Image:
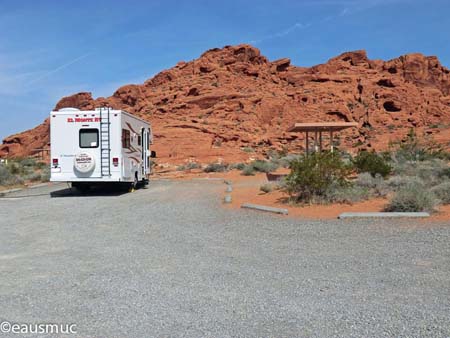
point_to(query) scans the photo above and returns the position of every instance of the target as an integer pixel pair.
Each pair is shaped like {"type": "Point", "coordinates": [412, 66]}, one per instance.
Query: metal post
{"type": "Point", "coordinates": [320, 140]}
{"type": "Point", "coordinates": [315, 140]}
{"type": "Point", "coordinates": [307, 143]}
{"type": "Point", "coordinates": [331, 141]}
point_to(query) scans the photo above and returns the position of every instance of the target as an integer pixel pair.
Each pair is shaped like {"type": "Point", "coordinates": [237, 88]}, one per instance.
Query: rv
{"type": "Point", "coordinates": [99, 146]}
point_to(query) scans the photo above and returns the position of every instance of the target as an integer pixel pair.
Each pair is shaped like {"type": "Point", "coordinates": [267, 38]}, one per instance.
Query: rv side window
{"type": "Point", "coordinates": [126, 138]}
{"type": "Point", "coordinates": [88, 138]}
{"type": "Point", "coordinates": [139, 140]}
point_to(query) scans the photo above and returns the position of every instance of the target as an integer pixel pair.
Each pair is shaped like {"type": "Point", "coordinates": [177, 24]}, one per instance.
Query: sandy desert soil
{"type": "Point", "coordinates": [246, 190]}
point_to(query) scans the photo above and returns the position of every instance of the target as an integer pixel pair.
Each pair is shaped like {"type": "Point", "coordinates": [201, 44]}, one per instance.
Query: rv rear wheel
{"type": "Point", "coordinates": [81, 187]}
{"type": "Point", "coordinates": [135, 183]}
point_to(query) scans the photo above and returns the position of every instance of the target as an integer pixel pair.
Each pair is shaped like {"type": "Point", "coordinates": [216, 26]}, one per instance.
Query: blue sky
{"type": "Point", "coordinates": [50, 49]}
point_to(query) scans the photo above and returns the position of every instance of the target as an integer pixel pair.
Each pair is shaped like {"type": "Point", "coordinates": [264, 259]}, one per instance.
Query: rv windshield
{"type": "Point", "coordinates": [88, 138]}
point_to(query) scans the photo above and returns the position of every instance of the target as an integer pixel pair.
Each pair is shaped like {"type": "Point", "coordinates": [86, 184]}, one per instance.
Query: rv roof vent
{"type": "Point", "coordinates": [69, 109]}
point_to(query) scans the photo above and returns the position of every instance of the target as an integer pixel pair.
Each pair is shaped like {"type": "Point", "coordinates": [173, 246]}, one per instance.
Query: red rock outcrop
{"type": "Point", "coordinates": [234, 97]}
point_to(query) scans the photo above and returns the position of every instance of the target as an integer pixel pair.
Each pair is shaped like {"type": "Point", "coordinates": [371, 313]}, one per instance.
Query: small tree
{"type": "Point", "coordinates": [372, 163]}
{"type": "Point", "coordinates": [312, 175]}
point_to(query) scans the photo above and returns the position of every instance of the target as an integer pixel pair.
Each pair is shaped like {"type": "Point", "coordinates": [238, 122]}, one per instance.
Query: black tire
{"type": "Point", "coordinates": [134, 184]}
{"type": "Point", "coordinates": [81, 187]}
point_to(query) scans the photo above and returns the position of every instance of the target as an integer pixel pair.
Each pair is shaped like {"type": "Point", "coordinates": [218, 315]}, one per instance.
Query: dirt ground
{"type": "Point", "coordinates": [246, 189]}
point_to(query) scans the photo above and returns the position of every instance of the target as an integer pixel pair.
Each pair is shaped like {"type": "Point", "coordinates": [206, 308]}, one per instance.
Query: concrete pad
{"type": "Point", "coordinates": [264, 208]}
{"type": "Point", "coordinates": [4, 192]}
{"type": "Point", "coordinates": [382, 214]}
{"type": "Point", "coordinates": [38, 185]}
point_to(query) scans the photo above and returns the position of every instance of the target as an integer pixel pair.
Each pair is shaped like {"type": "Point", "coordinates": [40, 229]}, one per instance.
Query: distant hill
{"type": "Point", "coordinates": [234, 97]}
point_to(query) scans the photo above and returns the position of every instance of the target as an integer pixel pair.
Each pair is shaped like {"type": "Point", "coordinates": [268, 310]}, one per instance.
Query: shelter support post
{"type": "Point", "coordinates": [320, 140]}
{"type": "Point", "coordinates": [331, 141]}
{"type": "Point", "coordinates": [307, 143]}
{"type": "Point", "coordinates": [315, 141]}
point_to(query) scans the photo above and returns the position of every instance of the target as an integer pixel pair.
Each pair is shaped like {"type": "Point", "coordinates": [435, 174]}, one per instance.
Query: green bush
{"type": "Point", "coordinates": [413, 198]}
{"type": "Point", "coordinates": [311, 176]}
{"type": "Point", "coordinates": [397, 182]}
{"type": "Point", "coordinates": [248, 170]}
{"type": "Point", "coordinates": [442, 191]}
{"type": "Point", "coordinates": [371, 162]}
{"type": "Point", "coordinates": [189, 166]}
{"type": "Point", "coordinates": [15, 168]}
{"type": "Point", "coordinates": [8, 178]}
{"type": "Point", "coordinates": [261, 166]}
{"type": "Point", "coordinates": [346, 194]}
{"type": "Point", "coordinates": [285, 161]}
{"type": "Point", "coordinates": [445, 173]}
{"type": "Point", "coordinates": [28, 162]}
{"type": "Point", "coordinates": [26, 169]}
{"type": "Point", "coordinates": [238, 166]}
{"type": "Point", "coordinates": [415, 148]}
{"type": "Point", "coordinates": [248, 150]}
{"type": "Point", "coordinates": [430, 171]}
{"type": "Point", "coordinates": [216, 168]}
{"type": "Point", "coordinates": [264, 166]}
{"type": "Point", "coordinates": [377, 186]}
{"type": "Point", "coordinates": [33, 177]}
{"type": "Point", "coordinates": [266, 188]}
{"type": "Point", "coordinates": [45, 174]}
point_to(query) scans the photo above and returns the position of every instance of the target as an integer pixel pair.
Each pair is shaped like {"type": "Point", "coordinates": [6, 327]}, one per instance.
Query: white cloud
{"type": "Point", "coordinates": [350, 8]}
{"type": "Point", "coordinates": [281, 33]}
{"type": "Point", "coordinates": [57, 69]}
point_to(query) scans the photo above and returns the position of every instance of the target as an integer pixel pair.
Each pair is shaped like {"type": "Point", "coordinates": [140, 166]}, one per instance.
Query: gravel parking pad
{"type": "Point", "coordinates": [170, 261]}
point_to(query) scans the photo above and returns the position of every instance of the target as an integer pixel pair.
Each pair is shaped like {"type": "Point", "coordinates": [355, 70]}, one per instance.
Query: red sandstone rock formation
{"type": "Point", "coordinates": [234, 97]}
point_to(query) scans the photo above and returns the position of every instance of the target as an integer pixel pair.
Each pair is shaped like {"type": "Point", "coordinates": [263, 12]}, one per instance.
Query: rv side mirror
{"type": "Point", "coordinates": [153, 154]}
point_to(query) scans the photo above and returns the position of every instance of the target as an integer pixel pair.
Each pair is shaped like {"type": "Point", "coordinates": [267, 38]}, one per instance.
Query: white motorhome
{"type": "Point", "coordinates": [99, 146]}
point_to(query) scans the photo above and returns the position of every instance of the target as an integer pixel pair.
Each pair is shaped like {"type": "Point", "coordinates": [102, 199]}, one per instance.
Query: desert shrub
{"type": "Point", "coordinates": [311, 176]}
{"type": "Point", "coordinates": [445, 173]}
{"type": "Point", "coordinates": [412, 197]}
{"type": "Point", "coordinates": [398, 181]}
{"type": "Point", "coordinates": [346, 194]}
{"type": "Point", "coordinates": [248, 170]}
{"type": "Point", "coordinates": [27, 162]}
{"type": "Point", "coordinates": [442, 192]}
{"type": "Point", "coordinates": [371, 162]}
{"type": "Point", "coordinates": [259, 166]}
{"type": "Point", "coordinates": [193, 165]}
{"type": "Point", "coordinates": [26, 169]}
{"type": "Point", "coordinates": [238, 166]}
{"type": "Point", "coordinates": [430, 171]}
{"type": "Point", "coordinates": [285, 161]}
{"type": "Point", "coordinates": [266, 187]}
{"type": "Point", "coordinates": [377, 186]}
{"type": "Point", "coordinates": [248, 150]}
{"type": "Point", "coordinates": [33, 177]}
{"type": "Point", "coordinates": [8, 178]}
{"type": "Point", "coordinates": [189, 166]}
{"type": "Point", "coordinates": [15, 168]}
{"type": "Point", "coordinates": [416, 148]}
{"type": "Point", "coordinates": [275, 154]}
{"type": "Point", "coordinates": [264, 166]}
{"type": "Point", "coordinates": [45, 174]}
{"type": "Point", "coordinates": [216, 168]}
